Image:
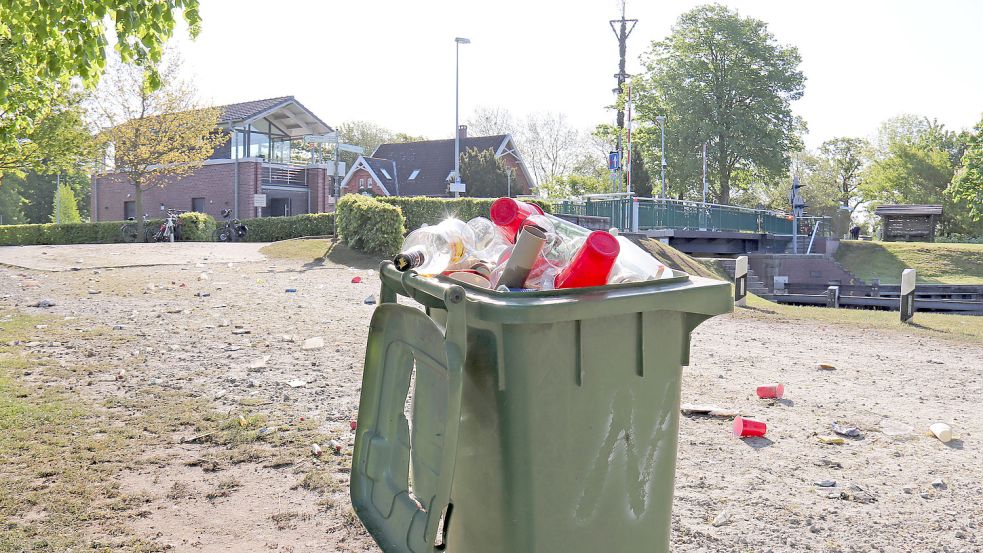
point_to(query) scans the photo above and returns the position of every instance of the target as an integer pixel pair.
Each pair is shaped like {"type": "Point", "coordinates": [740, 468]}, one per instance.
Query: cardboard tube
{"type": "Point", "coordinates": [528, 245]}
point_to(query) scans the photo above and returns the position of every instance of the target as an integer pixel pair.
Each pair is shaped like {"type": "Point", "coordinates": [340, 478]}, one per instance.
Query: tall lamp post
{"type": "Point", "coordinates": [458, 41]}
{"type": "Point", "coordinates": [662, 125]}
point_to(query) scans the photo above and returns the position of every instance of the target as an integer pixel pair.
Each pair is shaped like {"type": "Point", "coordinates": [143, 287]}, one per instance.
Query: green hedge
{"type": "Point", "coordinates": [70, 233]}
{"type": "Point", "coordinates": [369, 225]}
{"type": "Point", "coordinates": [196, 227]}
{"type": "Point", "coordinates": [271, 229]}
{"type": "Point", "coordinates": [420, 211]}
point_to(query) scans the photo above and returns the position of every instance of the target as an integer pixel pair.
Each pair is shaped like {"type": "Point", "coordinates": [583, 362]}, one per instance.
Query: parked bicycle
{"type": "Point", "coordinates": [168, 231]}
{"type": "Point", "coordinates": [231, 230]}
{"type": "Point", "coordinates": [130, 230]}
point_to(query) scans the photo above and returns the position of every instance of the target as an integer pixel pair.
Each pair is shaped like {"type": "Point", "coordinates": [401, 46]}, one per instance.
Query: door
{"type": "Point", "coordinates": [279, 207]}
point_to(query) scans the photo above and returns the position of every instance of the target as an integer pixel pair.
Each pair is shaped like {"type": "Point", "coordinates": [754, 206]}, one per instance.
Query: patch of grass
{"type": "Point", "coordinates": [677, 259]}
{"type": "Point", "coordinates": [936, 325]}
{"type": "Point", "coordinates": [316, 252]}
{"type": "Point", "coordinates": [225, 488]}
{"type": "Point", "coordinates": [934, 263]}
{"type": "Point", "coordinates": [320, 481]}
{"type": "Point", "coordinates": [288, 519]}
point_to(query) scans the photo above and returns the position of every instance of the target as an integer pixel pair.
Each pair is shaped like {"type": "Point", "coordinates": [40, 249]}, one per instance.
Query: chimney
{"type": "Point", "coordinates": [462, 131]}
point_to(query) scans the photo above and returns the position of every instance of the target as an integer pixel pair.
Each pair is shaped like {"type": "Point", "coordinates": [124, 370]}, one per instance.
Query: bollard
{"type": "Point", "coordinates": [907, 295]}
{"type": "Point", "coordinates": [875, 288]}
{"type": "Point", "coordinates": [740, 281]}
{"type": "Point", "coordinates": [833, 296]}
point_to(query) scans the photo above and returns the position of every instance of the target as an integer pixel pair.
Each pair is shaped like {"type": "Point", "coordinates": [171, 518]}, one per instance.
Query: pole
{"type": "Point", "coordinates": [662, 125]}
{"type": "Point", "coordinates": [334, 179]}
{"type": "Point", "coordinates": [58, 198]}
{"type": "Point", "coordinates": [628, 166]}
{"type": "Point", "coordinates": [457, 127]}
{"type": "Point", "coordinates": [704, 172]}
{"type": "Point", "coordinates": [795, 215]}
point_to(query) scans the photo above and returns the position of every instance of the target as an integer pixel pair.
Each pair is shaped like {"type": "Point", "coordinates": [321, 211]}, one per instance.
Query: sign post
{"type": "Point", "coordinates": [907, 295]}
{"type": "Point", "coordinates": [740, 281]}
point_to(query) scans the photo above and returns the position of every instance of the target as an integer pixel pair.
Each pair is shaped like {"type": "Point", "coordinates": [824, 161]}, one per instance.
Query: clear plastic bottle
{"type": "Point", "coordinates": [563, 238]}
{"type": "Point", "coordinates": [636, 265]}
{"type": "Point", "coordinates": [489, 240]}
{"type": "Point", "coordinates": [431, 250]}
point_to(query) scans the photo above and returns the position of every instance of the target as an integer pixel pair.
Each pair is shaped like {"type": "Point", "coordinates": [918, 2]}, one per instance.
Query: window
{"type": "Point", "coordinates": [386, 173]}
{"type": "Point", "coordinates": [129, 210]}
{"type": "Point", "coordinates": [198, 205]}
{"type": "Point", "coordinates": [414, 174]}
{"type": "Point", "coordinates": [361, 183]}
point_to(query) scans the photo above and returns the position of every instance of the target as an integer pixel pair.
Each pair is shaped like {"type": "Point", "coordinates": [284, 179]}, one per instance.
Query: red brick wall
{"type": "Point", "coordinates": [213, 182]}
{"type": "Point", "coordinates": [360, 173]}
{"type": "Point", "coordinates": [520, 184]}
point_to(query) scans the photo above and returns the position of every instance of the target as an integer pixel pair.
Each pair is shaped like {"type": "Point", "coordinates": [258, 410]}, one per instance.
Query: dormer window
{"type": "Point", "coordinates": [414, 174]}
{"type": "Point", "coordinates": [386, 173]}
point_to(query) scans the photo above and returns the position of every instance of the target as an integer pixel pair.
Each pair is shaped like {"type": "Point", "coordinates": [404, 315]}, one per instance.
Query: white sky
{"type": "Point", "coordinates": [392, 62]}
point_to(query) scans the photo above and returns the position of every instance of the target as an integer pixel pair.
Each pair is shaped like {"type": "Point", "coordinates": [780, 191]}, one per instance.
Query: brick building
{"type": "Point", "coordinates": [258, 172]}
{"type": "Point", "coordinates": [423, 168]}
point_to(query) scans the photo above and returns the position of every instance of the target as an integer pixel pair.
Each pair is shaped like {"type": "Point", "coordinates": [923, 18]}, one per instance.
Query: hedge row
{"type": "Point", "coordinates": [420, 211]}
{"type": "Point", "coordinates": [196, 227]}
{"type": "Point", "coordinates": [271, 229]}
{"type": "Point", "coordinates": [369, 225]}
{"type": "Point", "coordinates": [69, 233]}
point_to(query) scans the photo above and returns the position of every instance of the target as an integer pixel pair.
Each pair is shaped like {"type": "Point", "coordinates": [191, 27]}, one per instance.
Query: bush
{"type": "Point", "coordinates": [271, 229]}
{"type": "Point", "coordinates": [420, 211]}
{"type": "Point", "coordinates": [370, 225]}
{"type": "Point", "coordinates": [196, 227]}
{"type": "Point", "coordinates": [72, 233]}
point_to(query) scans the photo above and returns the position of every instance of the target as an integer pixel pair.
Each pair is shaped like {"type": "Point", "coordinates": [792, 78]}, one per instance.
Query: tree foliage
{"type": "Point", "coordinates": [574, 185]}
{"type": "Point", "coordinates": [485, 175]}
{"type": "Point", "coordinates": [66, 208]}
{"type": "Point", "coordinates": [153, 136]}
{"type": "Point", "coordinates": [44, 45]}
{"type": "Point", "coordinates": [967, 186]}
{"type": "Point", "coordinates": [722, 79]}
{"type": "Point", "coordinates": [57, 141]}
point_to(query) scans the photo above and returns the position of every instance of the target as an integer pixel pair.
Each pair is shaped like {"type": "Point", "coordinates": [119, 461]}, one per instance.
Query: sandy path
{"type": "Point", "coordinates": [765, 487]}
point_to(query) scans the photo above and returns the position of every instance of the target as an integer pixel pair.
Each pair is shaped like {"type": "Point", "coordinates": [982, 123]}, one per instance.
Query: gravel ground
{"type": "Point", "coordinates": [233, 333]}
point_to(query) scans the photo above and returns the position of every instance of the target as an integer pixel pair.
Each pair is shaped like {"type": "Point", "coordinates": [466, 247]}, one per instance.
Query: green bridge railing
{"type": "Point", "coordinates": [642, 214]}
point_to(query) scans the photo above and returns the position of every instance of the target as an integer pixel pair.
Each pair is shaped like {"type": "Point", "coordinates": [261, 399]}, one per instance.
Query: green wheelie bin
{"type": "Point", "coordinates": [529, 422]}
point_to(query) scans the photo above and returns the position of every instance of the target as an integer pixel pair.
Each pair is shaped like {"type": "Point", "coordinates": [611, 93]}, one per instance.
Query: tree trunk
{"type": "Point", "coordinates": [138, 203]}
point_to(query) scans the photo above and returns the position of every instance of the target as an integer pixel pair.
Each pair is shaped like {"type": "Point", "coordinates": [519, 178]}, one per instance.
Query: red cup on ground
{"type": "Point", "coordinates": [592, 263]}
{"type": "Point", "coordinates": [771, 391]}
{"type": "Point", "coordinates": [508, 214]}
{"type": "Point", "coordinates": [356, 280]}
{"type": "Point", "coordinates": [749, 428]}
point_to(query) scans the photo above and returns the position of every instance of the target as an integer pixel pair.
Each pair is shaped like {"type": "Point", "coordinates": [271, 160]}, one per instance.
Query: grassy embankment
{"type": "Point", "coordinates": [934, 263]}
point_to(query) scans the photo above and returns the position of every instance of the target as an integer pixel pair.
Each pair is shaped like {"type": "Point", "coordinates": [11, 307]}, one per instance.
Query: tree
{"type": "Point", "coordinates": [153, 136]}
{"type": "Point", "coordinates": [722, 79]}
{"type": "Point", "coordinates": [569, 186]}
{"type": "Point", "coordinates": [11, 206]}
{"type": "Point", "coordinates": [57, 141]}
{"type": "Point", "coordinates": [65, 206]}
{"type": "Point", "coordinates": [36, 192]}
{"type": "Point", "coordinates": [485, 121]}
{"type": "Point", "coordinates": [641, 180]}
{"type": "Point", "coordinates": [550, 146]}
{"type": "Point", "coordinates": [842, 162]}
{"type": "Point", "coordinates": [485, 175]}
{"type": "Point", "coordinates": [44, 45]}
{"type": "Point", "coordinates": [967, 186]}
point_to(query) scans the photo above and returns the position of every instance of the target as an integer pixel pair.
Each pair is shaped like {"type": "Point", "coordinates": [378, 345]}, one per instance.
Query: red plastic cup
{"type": "Point", "coordinates": [508, 214]}
{"type": "Point", "coordinates": [771, 391]}
{"type": "Point", "coordinates": [356, 280]}
{"type": "Point", "coordinates": [749, 428]}
{"type": "Point", "coordinates": [592, 263]}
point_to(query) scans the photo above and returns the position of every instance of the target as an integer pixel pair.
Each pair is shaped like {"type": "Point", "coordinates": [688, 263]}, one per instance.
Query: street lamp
{"type": "Point", "coordinates": [458, 41]}
{"type": "Point", "coordinates": [662, 124]}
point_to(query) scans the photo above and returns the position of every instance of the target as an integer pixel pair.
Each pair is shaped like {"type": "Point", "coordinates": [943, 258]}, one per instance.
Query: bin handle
{"type": "Point", "coordinates": [429, 292]}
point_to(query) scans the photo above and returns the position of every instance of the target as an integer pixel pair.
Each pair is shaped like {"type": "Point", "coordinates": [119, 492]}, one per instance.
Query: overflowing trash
{"type": "Point", "coordinates": [522, 248]}
{"type": "Point", "coordinates": [847, 430]}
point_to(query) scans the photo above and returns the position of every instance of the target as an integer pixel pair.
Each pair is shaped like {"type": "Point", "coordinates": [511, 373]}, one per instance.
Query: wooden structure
{"type": "Point", "coordinates": [909, 223]}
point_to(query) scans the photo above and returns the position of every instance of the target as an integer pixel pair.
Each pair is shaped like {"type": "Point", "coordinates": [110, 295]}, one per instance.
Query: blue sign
{"type": "Point", "coordinates": [614, 160]}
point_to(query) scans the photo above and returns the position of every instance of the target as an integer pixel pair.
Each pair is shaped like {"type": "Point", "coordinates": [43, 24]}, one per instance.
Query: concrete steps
{"type": "Point", "coordinates": [754, 284]}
